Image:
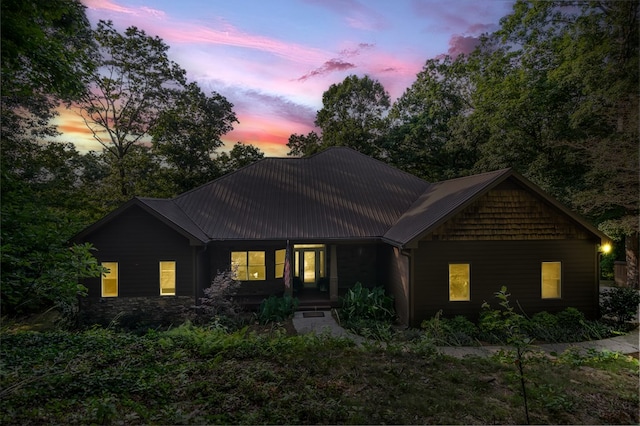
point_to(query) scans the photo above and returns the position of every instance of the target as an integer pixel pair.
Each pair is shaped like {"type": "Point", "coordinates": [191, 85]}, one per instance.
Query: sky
{"type": "Point", "coordinates": [274, 59]}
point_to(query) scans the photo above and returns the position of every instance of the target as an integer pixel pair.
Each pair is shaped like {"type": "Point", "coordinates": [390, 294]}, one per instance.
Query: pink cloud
{"type": "Point", "coordinates": [462, 45]}
{"type": "Point", "coordinates": [327, 68]}
{"type": "Point", "coordinates": [227, 35]}
{"type": "Point", "coordinates": [459, 16]}
{"type": "Point", "coordinates": [108, 5]}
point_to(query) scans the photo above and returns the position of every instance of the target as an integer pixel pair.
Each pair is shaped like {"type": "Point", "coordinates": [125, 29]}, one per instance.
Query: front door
{"type": "Point", "coordinates": [309, 263]}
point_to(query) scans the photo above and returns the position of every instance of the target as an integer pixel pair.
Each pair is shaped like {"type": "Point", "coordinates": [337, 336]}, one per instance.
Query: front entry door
{"type": "Point", "coordinates": [309, 263]}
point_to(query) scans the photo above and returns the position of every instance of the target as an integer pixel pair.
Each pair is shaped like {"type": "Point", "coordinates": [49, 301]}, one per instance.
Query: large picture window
{"type": "Point", "coordinates": [167, 278]}
{"type": "Point", "coordinates": [551, 280]}
{"type": "Point", "coordinates": [459, 282]}
{"type": "Point", "coordinates": [110, 280]}
{"type": "Point", "coordinates": [248, 265]}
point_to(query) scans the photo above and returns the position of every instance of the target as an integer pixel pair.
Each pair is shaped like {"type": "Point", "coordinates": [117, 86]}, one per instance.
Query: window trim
{"type": "Point", "coordinates": [560, 280]}
{"type": "Point", "coordinates": [175, 272]}
{"type": "Point", "coordinates": [117, 279]}
{"type": "Point", "coordinates": [468, 264]}
{"type": "Point", "coordinates": [247, 265]}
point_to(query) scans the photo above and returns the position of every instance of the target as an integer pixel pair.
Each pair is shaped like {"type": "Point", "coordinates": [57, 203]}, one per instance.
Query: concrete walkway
{"type": "Point", "coordinates": [320, 322]}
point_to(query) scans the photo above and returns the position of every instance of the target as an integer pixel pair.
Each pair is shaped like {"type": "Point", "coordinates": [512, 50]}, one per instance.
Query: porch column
{"type": "Point", "coordinates": [333, 275]}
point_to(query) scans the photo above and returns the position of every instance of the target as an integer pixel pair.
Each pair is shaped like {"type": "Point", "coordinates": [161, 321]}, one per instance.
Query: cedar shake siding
{"type": "Point", "coordinates": [138, 242]}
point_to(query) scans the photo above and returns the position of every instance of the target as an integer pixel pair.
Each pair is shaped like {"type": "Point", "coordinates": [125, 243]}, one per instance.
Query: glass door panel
{"type": "Point", "coordinates": [309, 266]}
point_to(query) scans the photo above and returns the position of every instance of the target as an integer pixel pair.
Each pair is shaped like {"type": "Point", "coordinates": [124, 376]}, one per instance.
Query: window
{"type": "Point", "coordinates": [459, 278]}
{"type": "Point", "coordinates": [280, 254]}
{"type": "Point", "coordinates": [551, 280]}
{"type": "Point", "coordinates": [248, 265]}
{"type": "Point", "coordinates": [110, 280]}
{"type": "Point", "coordinates": [167, 278]}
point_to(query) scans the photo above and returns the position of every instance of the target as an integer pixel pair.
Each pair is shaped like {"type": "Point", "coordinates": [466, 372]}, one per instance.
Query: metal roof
{"type": "Point", "coordinates": [335, 194]}
{"type": "Point", "coordinates": [440, 201]}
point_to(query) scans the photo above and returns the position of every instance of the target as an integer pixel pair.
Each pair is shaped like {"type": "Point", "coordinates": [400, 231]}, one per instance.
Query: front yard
{"type": "Point", "coordinates": [191, 375]}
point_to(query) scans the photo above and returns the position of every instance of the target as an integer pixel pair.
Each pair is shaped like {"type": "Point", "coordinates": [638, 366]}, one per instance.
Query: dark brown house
{"type": "Point", "coordinates": [347, 218]}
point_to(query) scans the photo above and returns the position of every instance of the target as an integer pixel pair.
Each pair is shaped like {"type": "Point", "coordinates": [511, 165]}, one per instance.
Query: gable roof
{"type": "Point", "coordinates": [164, 210]}
{"type": "Point", "coordinates": [443, 200]}
{"type": "Point", "coordinates": [335, 194]}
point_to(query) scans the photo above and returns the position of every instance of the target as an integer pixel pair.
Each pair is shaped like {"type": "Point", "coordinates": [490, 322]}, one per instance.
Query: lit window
{"type": "Point", "coordinates": [459, 278]}
{"type": "Point", "coordinates": [280, 254]}
{"type": "Point", "coordinates": [167, 278]}
{"type": "Point", "coordinates": [248, 265]}
{"type": "Point", "coordinates": [551, 280]}
{"type": "Point", "coordinates": [110, 280]}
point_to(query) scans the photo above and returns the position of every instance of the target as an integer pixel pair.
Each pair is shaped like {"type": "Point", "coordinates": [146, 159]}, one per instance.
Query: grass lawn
{"type": "Point", "coordinates": [190, 375]}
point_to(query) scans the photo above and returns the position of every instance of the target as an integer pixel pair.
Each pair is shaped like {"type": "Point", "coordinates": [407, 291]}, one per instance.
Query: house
{"type": "Point", "coordinates": [347, 218]}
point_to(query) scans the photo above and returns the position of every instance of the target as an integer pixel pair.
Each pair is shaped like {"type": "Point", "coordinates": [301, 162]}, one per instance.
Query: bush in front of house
{"type": "Point", "coordinates": [566, 326]}
{"type": "Point", "coordinates": [368, 312]}
{"type": "Point", "coordinates": [620, 304]}
{"type": "Point", "coordinates": [218, 305]}
{"type": "Point", "coordinates": [275, 309]}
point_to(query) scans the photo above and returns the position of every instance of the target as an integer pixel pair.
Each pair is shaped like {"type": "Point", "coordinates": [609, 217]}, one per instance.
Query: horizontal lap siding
{"type": "Point", "coordinates": [515, 264]}
{"type": "Point", "coordinates": [138, 242]}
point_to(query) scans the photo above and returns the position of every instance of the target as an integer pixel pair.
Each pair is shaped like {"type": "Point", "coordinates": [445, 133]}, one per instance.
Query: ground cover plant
{"type": "Point", "coordinates": [206, 375]}
{"type": "Point", "coordinates": [367, 312]}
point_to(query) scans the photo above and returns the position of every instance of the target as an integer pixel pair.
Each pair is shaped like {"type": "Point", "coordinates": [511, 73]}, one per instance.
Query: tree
{"type": "Point", "coordinates": [304, 145]}
{"type": "Point", "coordinates": [590, 56]}
{"type": "Point", "coordinates": [132, 87]}
{"type": "Point", "coordinates": [46, 48]}
{"type": "Point", "coordinates": [187, 135]}
{"type": "Point", "coordinates": [240, 155]}
{"type": "Point", "coordinates": [422, 121]}
{"type": "Point", "coordinates": [353, 114]}
{"type": "Point", "coordinates": [46, 53]}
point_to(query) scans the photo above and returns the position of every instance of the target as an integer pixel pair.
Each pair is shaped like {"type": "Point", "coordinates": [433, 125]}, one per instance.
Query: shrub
{"type": "Point", "coordinates": [218, 300]}
{"type": "Point", "coordinates": [365, 304]}
{"type": "Point", "coordinates": [458, 331]}
{"type": "Point", "coordinates": [276, 309]}
{"type": "Point", "coordinates": [620, 304]}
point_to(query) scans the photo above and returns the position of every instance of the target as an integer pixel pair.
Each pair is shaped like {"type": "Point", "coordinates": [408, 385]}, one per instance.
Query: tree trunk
{"type": "Point", "coordinates": [632, 244]}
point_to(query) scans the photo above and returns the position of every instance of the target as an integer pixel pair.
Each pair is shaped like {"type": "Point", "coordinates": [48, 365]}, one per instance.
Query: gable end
{"type": "Point", "coordinates": [509, 212]}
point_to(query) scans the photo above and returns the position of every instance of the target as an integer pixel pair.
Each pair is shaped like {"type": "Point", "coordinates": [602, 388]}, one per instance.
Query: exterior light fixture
{"type": "Point", "coordinates": [605, 248]}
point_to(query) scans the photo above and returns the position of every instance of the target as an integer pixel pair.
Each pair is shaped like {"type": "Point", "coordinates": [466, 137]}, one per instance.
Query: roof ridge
{"type": "Point", "coordinates": [493, 172]}
{"type": "Point", "coordinates": [173, 203]}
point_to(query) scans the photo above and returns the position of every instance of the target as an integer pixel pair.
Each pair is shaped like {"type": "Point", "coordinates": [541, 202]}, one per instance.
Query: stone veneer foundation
{"type": "Point", "coordinates": [133, 312]}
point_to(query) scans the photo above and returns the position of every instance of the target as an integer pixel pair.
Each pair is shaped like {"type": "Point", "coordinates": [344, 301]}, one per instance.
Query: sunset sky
{"type": "Point", "coordinates": [274, 59]}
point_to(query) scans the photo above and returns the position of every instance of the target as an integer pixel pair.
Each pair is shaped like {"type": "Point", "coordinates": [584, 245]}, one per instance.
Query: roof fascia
{"type": "Point", "coordinates": [413, 242]}
{"type": "Point", "coordinates": [193, 240]}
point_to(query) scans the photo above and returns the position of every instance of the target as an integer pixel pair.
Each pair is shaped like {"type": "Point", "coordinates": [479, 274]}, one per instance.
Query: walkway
{"type": "Point", "coordinates": [323, 322]}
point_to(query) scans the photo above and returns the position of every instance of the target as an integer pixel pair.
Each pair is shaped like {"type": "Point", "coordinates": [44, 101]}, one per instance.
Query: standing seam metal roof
{"type": "Point", "coordinates": [336, 194]}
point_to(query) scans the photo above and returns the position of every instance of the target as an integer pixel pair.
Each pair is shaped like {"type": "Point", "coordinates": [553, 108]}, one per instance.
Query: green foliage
{"type": "Point", "coordinates": [274, 309]}
{"type": "Point", "coordinates": [366, 304]}
{"type": "Point", "coordinates": [204, 375]}
{"type": "Point", "coordinates": [352, 114]}
{"type": "Point", "coordinates": [368, 312]}
{"type": "Point", "coordinates": [509, 324]}
{"type": "Point", "coordinates": [620, 304]}
{"type": "Point", "coordinates": [458, 331]}
{"type": "Point", "coordinates": [46, 48]}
